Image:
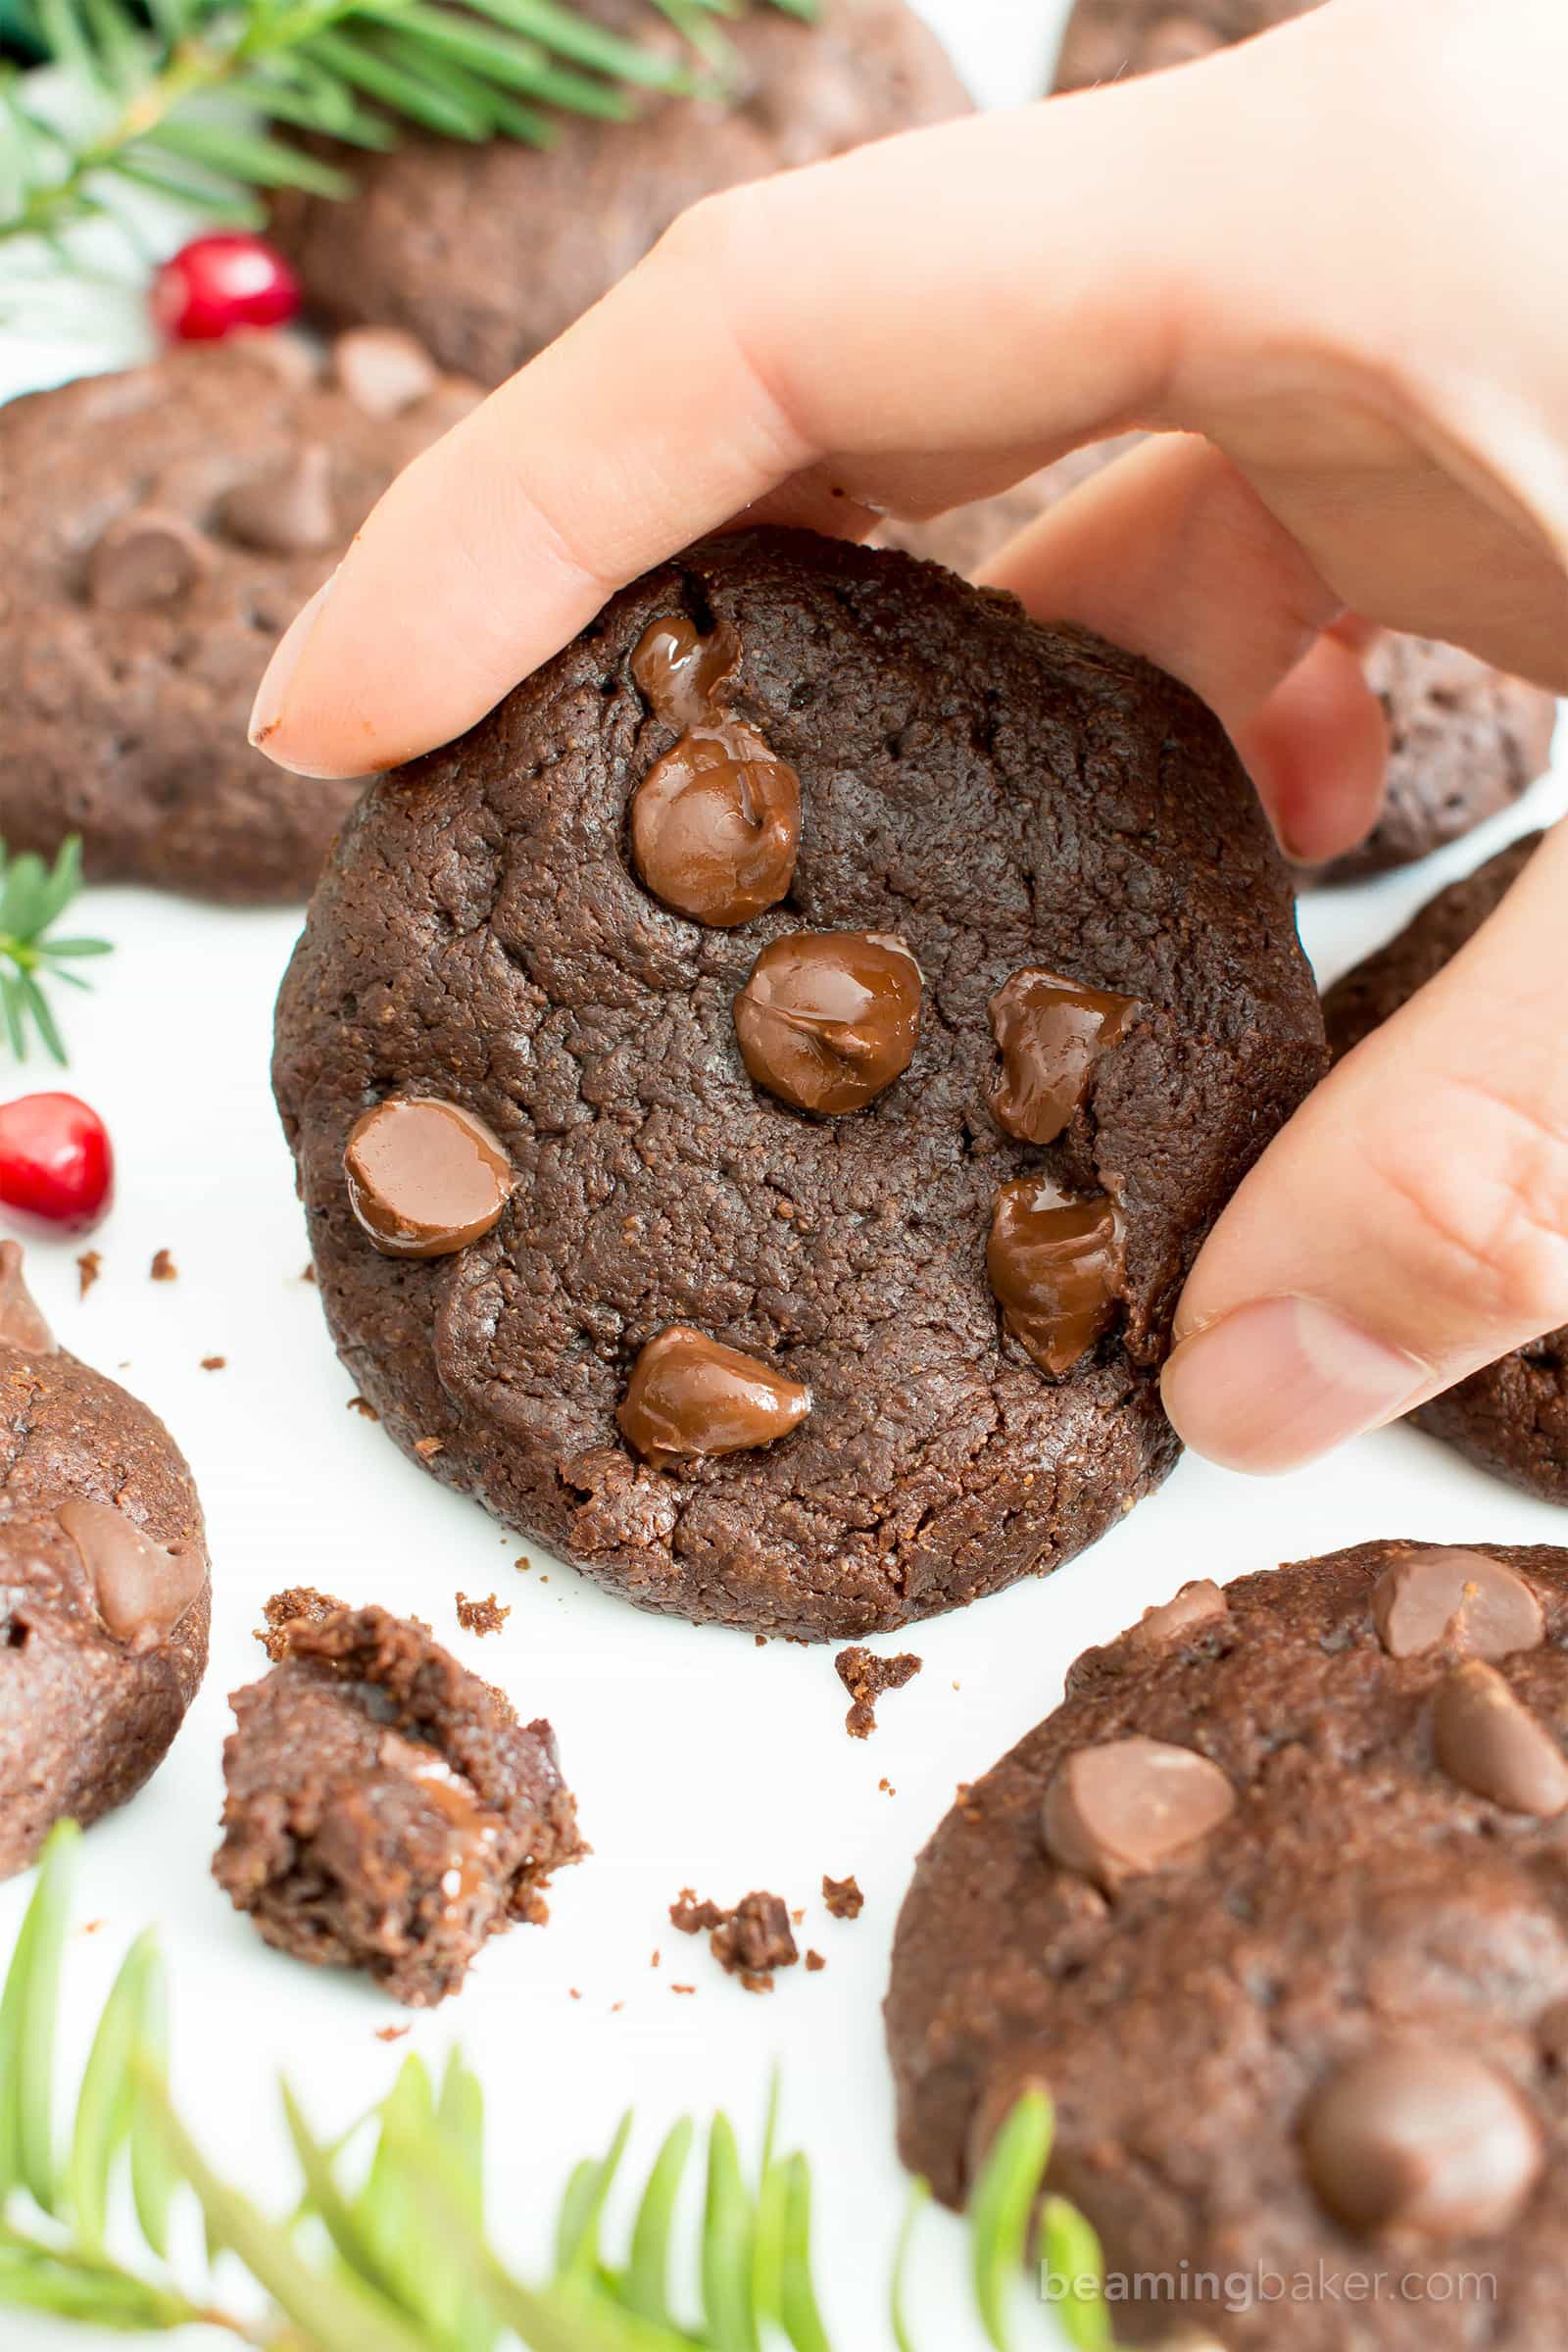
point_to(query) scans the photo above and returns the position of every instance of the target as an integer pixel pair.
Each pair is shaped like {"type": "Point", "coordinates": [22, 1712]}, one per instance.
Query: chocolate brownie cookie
{"type": "Point", "coordinates": [488, 252]}
{"type": "Point", "coordinates": [159, 529]}
{"type": "Point", "coordinates": [385, 1809]}
{"type": "Point", "coordinates": [105, 1594]}
{"type": "Point", "coordinates": [1511, 1416]}
{"type": "Point", "coordinates": [1110, 41]}
{"type": "Point", "coordinates": [728, 1250]}
{"type": "Point", "coordinates": [1272, 1909]}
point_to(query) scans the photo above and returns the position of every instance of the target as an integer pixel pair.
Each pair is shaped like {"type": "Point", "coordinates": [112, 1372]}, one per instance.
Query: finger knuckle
{"type": "Point", "coordinates": [1483, 1215]}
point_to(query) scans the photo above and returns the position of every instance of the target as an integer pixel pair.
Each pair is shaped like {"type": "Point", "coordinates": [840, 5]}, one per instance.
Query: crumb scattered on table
{"type": "Point", "coordinates": [214, 1363]}
{"type": "Point", "coordinates": [309, 1274]}
{"type": "Point", "coordinates": [481, 1616]}
{"type": "Point", "coordinates": [285, 1609]}
{"type": "Point", "coordinates": [90, 1265]}
{"type": "Point", "coordinates": [164, 1268]}
{"type": "Point", "coordinates": [683, 1989]}
{"type": "Point", "coordinates": [392, 2032]}
{"type": "Point", "coordinates": [522, 1563]}
{"type": "Point", "coordinates": [866, 1678]}
{"type": "Point", "coordinates": [815, 1964]}
{"type": "Point", "coordinates": [887, 1789]}
{"type": "Point", "coordinates": [842, 1897]}
{"type": "Point", "coordinates": [750, 1941]}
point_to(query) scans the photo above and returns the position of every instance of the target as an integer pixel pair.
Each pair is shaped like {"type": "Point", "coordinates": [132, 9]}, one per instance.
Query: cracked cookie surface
{"type": "Point", "coordinates": [993, 795]}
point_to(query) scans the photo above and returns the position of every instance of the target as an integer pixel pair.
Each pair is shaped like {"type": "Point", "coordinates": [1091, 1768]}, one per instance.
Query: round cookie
{"type": "Point", "coordinates": [1511, 1416]}
{"type": "Point", "coordinates": [105, 1593]}
{"type": "Point", "coordinates": [1271, 1908]}
{"type": "Point", "coordinates": [487, 253]}
{"type": "Point", "coordinates": [978, 798]}
{"type": "Point", "coordinates": [1109, 40]}
{"type": "Point", "coordinates": [385, 1809]}
{"type": "Point", "coordinates": [159, 529]}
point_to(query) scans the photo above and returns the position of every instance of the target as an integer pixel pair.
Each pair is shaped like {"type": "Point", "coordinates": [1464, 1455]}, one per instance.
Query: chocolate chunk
{"type": "Point", "coordinates": [481, 1616]}
{"type": "Point", "coordinates": [1056, 1268]}
{"type": "Point", "coordinates": [143, 559]}
{"type": "Point", "coordinates": [142, 1590]}
{"type": "Point", "coordinates": [382, 370]}
{"type": "Point", "coordinates": [1049, 1033]}
{"type": "Point", "coordinates": [1197, 1604]}
{"type": "Point", "coordinates": [1416, 2140]}
{"type": "Point", "coordinates": [843, 1896]}
{"type": "Point", "coordinates": [865, 1677]}
{"type": "Point", "coordinates": [689, 1396]}
{"type": "Point", "coordinates": [425, 1177]}
{"type": "Point", "coordinates": [828, 1019]}
{"type": "Point", "coordinates": [755, 1940]}
{"type": "Point", "coordinates": [22, 1326]}
{"type": "Point", "coordinates": [287, 512]}
{"type": "Point", "coordinates": [1445, 1597]}
{"type": "Point", "coordinates": [715, 824]}
{"type": "Point", "coordinates": [1127, 1806]}
{"type": "Point", "coordinates": [1489, 1743]}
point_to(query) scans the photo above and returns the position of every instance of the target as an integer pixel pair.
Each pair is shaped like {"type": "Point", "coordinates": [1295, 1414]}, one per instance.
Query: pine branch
{"type": "Point", "coordinates": [170, 91]}
{"type": "Point", "coordinates": [387, 2248]}
{"type": "Point", "coordinates": [33, 898]}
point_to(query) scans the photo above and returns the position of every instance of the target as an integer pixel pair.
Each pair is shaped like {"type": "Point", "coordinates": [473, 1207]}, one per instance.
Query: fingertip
{"type": "Point", "coordinates": [1317, 749]}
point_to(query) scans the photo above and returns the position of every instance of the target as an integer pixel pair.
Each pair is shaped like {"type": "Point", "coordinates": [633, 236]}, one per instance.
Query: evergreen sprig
{"type": "Point", "coordinates": [387, 2248]}
{"type": "Point", "coordinates": [202, 100]}
{"type": "Point", "coordinates": [33, 898]}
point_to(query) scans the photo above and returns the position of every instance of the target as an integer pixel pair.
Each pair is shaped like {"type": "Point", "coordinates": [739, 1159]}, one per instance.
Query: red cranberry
{"type": "Point", "coordinates": [57, 1166]}
{"type": "Point", "coordinates": [215, 284]}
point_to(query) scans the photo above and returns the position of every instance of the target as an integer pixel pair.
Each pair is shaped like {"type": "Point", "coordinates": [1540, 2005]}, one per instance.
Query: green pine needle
{"type": "Point", "coordinates": [388, 2250]}
{"type": "Point", "coordinates": [170, 101]}
{"type": "Point", "coordinates": [33, 898]}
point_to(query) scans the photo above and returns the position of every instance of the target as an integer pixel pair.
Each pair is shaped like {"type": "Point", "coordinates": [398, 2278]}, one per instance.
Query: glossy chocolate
{"type": "Point", "coordinates": [382, 370]}
{"type": "Point", "coordinates": [1420, 2141]}
{"type": "Point", "coordinates": [142, 1589]}
{"type": "Point", "coordinates": [1049, 1032]}
{"type": "Point", "coordinates": [1490, 1741]}
{"type": "Point", "coordinates": [22, 1325]}
{"type": "Point", "coordinates": [1129, 1806]}
{"type": "Point", "coordinates": [1056, 1266]}
{"type": "Point", "coordinates": [1195, 1608]}
{"type": "Point", "coordinates": [828, 1019]}
{"type": "Point", "coordinates": [145, 560]}
{"type": "Point", "coordinates": [688, 1396]}
{"type": "Point", "coordinates": [287, 512]}
{"type": "Point", "coordinates": [715, 823]}
{"type": "Point", "coordinates": [425, 1177]}
{"type": "Point", "coordinates": [1445, 1597]}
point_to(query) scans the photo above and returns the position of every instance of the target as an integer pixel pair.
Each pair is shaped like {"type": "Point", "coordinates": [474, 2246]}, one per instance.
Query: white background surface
{"type": "Point", "coordinates": [698, 1759]}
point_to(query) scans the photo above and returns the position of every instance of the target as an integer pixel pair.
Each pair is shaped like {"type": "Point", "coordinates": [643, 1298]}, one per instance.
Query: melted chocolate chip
{"type": "Point", "coordinates": [22, 1326]}
{"type": "Point", "coordinates": [828, 1019]}
{"type": "Point", "coordinates": [145, 560]}
{"type": "Point", "coordinates": [688, 1396]}
{"type": "Point", "coordinates": [1126, 1807]}
{"type": "Point", "coordinates": [1489, 1743]}
{"type": "Point", "coordinates": [1056, 1268]}
{"type": "Point", "coordinates": [1049, 1033]}
{"type": "Point", "coordinates": [142, 1590]}
{"type": "Point", "coordinates": [715, 823]}
{"type": "Point", "coordinates": [425, 1177]}
{"type": "Point", "coordinates": [287, 512]}
{"type": "Point", "coordinates": [1197, 1605]}
{"type": "Point", "coordinates": [1443, 1598]}
{"type": "Point", "coordinates": [382, 370]}
{"type": "Point", "coordinates": [1415, 2140]}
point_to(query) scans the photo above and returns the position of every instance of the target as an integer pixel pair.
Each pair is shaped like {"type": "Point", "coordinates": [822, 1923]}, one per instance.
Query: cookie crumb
{"type": "Point", "coordinates": [866, 1678]}
{"type": "Point", "coordinates": [887, 1789]}
{"type": "Point", "coordinates": [164, 1268]}
{"type": "Point", "coordinates": [750, 1941]}
{"type": "Point", "coordinates": [424, 1447]}
{"type": "Point", "coordinates": [392, 2032]}
{"type": "Point", "coordinates": [90, 1265]}
{"type": "Point", "coordinates": [92, 1927]}
{"type": "Point", "coordinates": [683, 1989]}
{"type": "Point", "coordinates": [815, 1964]}
{"type": "Point", "coordinates": [842, 1897]}
{"type": "Point", "coordinates": [690, 1917]}
{"type": "Point", "coordinates": [481, 1616]}
{"type": "Point", "coordinates": [522, 1563]}
{"type": "Point", "coordinates": [654, 1961]}
{"type": "Point", "coordinates": [214, 1363]}
{"type": "Point", "coordinates": [309, 1274]}
{"type": "Point", "coordinates": [573, 1992]}
{"type": "Point", "coordinates": [364, 1408]}
{"type": "Point", "coordinates": [287, 1609]}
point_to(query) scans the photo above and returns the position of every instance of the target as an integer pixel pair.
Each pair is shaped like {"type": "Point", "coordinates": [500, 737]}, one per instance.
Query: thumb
{"type": "Point", "coordinates": [1410, 1225]}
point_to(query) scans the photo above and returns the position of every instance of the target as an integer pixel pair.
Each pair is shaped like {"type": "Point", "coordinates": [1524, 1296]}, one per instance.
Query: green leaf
{"type": "Point", "coordinates": [43, 1021]}
{"type": "Point", "coordinates": [28, 2057]}
{"type": "Point", "coordinates": [153, 2177]}
{"type": "Point", "coordinates": [803, 2321]}
{"type": "Point", "coordinates": [57, 949]}
{"type": "Point", "coordinates": [10, 1003]}
{"type": "Point", "coordinates": [105, 2102]}
{"type": "Point", "coordinates": [371, 65]}
{"type": "Point", "coordinates": [920, 2199]}
{"type": "Point", "coordinates": [500, 57]}
{"type": "Point", "coordinates": [247, 156]}
{"type": "Point", "coordinates": [645, 2288]}
{"type": "Point", "coordinates": [578, 37]}
{"type": "Point", "coordinates": [1071, 2252]}
{"type": "Point", "coordinates": [1001, 2206]}
{"type": "Point", "coordinates": [24, 897]}
{"type": "Point", "coordinates": [727, 2246]}
{"type": "Point", "coordinates": [582, 2208]}
{"type": "Point", "coordinates": [119, 42]}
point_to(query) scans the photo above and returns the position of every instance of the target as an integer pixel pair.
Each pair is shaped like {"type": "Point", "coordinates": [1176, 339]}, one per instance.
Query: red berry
{"type": "Point", "coordinates": [218, 283]}
{"type": "Point", "coordinates": [57, 1167]}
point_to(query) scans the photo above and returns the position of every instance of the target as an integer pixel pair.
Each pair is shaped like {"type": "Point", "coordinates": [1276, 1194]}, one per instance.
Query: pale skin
{"type": "Point", "coordinates": [1329, 268]}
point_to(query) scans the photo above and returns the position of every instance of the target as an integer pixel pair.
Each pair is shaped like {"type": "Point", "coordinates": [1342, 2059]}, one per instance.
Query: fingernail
{"type": "Point", "coordinates": [271, 696]}
{"type": "Point", "coordinates": [1277, 1382]}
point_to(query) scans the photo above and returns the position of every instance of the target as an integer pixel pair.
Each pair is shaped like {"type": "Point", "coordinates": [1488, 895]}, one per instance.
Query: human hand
{"type": "Point", "coordinates": [1354, 303]}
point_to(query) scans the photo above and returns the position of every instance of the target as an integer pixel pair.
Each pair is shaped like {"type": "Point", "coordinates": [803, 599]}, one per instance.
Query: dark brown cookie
{"type": "Point", "coordinates": [1110, 41]}
{"type": "Point", "coordinates": [488, 252]}
{"type": "Point", "coordinates": [1271, 1908]}
{"type": "Point", "coordinates": [105, 1594]}
{"type": "Point", "coordinates": [738, 1360]}
{"type": "Point", "coordinates": [385, 1808]}
{"type": "Point", "coordinates": [159, 529]}
{"type": "Point", "coordinates": [1511, 1416]}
